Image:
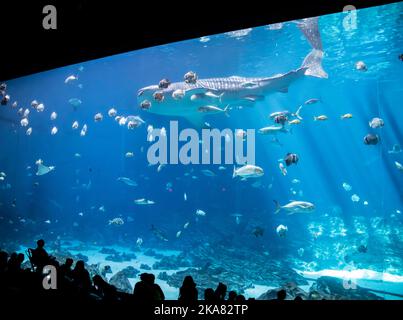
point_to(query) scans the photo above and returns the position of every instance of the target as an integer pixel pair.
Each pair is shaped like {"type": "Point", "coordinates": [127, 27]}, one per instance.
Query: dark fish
{"type": "Point", "coordinates": [258, 232]}
{"type": "Point", "coordinates": [5, 100]}
{"type": "Point", "coordinates": [158, 233]}
{"type": "Point", "coordinates": [164, 83]}
{"type": "Point", "coordinates": [362, 249]}
{"type": "Point", "coordinates": [281, 119]}
{"type": "Point", "coordinates": [371, 139]}
{"type": "Point", "coordinates": [291, 158]}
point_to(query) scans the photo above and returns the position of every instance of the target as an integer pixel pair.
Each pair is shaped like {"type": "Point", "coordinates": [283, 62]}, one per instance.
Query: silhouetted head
{"type": "Point", "coordinates": [20, 258]}
{"type": "Point", "coordinates": [281, 295]}
{"type": "Point", "coordinates": [150, 278]}
{"type": "Point", "coordinates": [221, 289]}
{"type": "Point", "coordinates": [232, 295]}
{"type": "Point", "coordinates": [240, 297]}
{"type": "Point", "coordinates": [13, 256]}
{"type": "Point", "coordinates": [188, 282]}
{"type": "Point", "coordinates": [209, 294]}
{"type": "Point", "coordinates": [143, 276]}
{"type": "Point", "coordinates": [40, 243]}
{"type": "Point", "coordinates": [80, 265]}
{"type": "Point", "coordinates": [298, 298]}
{"type": "Point", "coordinates": [69, 262]}
{"type": "Point", "coordinates": [98, 281]}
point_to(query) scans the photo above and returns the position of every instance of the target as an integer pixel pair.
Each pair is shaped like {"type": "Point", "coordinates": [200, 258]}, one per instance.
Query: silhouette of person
{"type": "Point", "coordinates": [147, 290]}
{"type": "Point", "coordinates": [188, 292]}
{"type": "Point", "coordinates": [81, 277]}
{"type": "Point", "coordinates": [13, 264]}
{"type": "Point", "coordinates": [209, 295]}
{"type": "Point", "coordinates": [66, 269]}
{"type": "Point", "coordinates": [142, 290]}
{"type": "Point", "coordinates": [220, 292]}
{"type": "Point", "coordinates": [240, 298]}
{"type": "Point", "coordinates": [232, 296]}
{"type": "Point", "coordinates": [281, 294]}
{"type": "Point", "coordinates": [65, 274]}
{"type": "Point", "coordinates": [40, 257]}
{"type": "Point", "coordinates": [158, 294]}
{"type": "Point", "coordinates": [298, 298]}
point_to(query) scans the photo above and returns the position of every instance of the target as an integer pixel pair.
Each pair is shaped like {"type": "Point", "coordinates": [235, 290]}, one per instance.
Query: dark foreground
{"type": "Point", "coordinates": [51, 286]}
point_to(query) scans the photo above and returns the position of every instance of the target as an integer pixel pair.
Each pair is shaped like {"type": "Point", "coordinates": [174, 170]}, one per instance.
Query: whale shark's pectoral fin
{"type": "Point", "coordinates": [196, 119]}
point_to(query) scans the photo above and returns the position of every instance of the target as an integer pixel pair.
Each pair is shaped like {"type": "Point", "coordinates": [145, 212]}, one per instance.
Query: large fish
{"type": "Point", "coordinates": [295, 207]}
{"type": "Point", "coordinates": [234, 90]}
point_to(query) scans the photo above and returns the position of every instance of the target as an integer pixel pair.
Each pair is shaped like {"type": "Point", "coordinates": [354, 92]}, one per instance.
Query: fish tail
{"type": "Point", "coordinates": [313, 64]}
{"type": "Point", "coordinates": [297, 113]}
{"type": "Point", "coordinates": [234, 172]}
{"type": "Point", "coordinates": [226, 109]}
{"type": "Point", "coordinates": [315, 118]}
{"type": "Point", "coordinates": [278, 207]}
{"type": "Point", "coordinates": [313, 61]}
{"type": "Point", "coordinates": [220, 96]}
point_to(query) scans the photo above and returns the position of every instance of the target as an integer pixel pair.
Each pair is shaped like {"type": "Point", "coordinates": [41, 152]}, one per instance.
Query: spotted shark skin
{"type": "Point", "coordinates": [235, 90]}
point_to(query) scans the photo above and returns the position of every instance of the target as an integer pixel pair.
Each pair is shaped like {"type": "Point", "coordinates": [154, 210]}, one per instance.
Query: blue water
{"type": "Point", "coordinates": [331, 152]}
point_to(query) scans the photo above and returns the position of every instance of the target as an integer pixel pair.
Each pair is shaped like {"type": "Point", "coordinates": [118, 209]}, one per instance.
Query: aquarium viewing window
{"type": "Point", "coordinates": [263, 158]}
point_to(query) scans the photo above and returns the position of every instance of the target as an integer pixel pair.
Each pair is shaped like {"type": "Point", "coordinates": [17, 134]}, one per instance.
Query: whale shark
{"type": "Point", "coordinates": [183, 99]}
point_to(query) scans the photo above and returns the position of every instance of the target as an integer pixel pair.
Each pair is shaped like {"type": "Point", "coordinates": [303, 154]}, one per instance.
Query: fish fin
{"type": "Point", "coordinates": [196, 119]}
{"type": "Point", "coordinates": [278, 207]}
{"type": "Point", "coordinates": [283, 90]}
{"type": "Point", "coordinates": [313, 64]}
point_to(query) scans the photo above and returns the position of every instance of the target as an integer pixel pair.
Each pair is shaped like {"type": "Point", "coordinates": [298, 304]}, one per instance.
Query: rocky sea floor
{"type": "Point", "coordinates": [254, 275]}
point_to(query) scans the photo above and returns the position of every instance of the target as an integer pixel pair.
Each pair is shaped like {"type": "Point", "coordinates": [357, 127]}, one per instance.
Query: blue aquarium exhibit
{"type": "Point", "coordinates": [262, 158]}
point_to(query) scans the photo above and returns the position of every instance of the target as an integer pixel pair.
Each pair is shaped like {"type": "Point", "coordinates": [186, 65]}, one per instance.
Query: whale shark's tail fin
{"type": "Point", "coordinates": [313, 64]}
{"type": "Point", "coordinates": [313, 61]}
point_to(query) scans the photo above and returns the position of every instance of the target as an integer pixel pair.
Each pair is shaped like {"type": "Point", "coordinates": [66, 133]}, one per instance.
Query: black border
{"type": "Point", "coordinates": [93, 29]}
